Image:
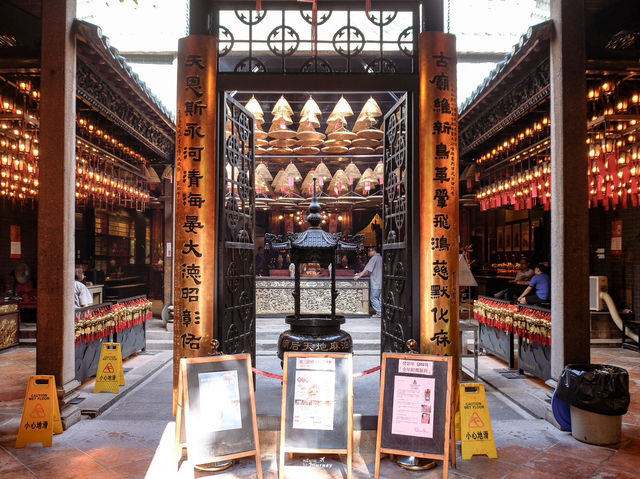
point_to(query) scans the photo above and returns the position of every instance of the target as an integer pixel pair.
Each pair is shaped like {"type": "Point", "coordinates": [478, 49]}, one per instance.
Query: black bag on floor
{"type": "Point", "coordinates": [597, 388]}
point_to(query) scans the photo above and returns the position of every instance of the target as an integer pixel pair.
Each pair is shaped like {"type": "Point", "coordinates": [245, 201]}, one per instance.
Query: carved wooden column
{"type": "Point", "coordinates": [195, 200]}
{"type": "Point", "coordinates": [56, 206]}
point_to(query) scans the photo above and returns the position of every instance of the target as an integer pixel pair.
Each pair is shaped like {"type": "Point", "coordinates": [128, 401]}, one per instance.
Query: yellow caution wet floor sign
{"type": "Point", "coordinates": [41, 413]}
{"type": "Point", "coordinates": [477, 433]}
{"type": "Point", "coordinates": [110, 375]}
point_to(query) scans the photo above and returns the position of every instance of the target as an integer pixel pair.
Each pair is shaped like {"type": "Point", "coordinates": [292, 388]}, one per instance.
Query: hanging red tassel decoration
{"type": "Point", "coordinates": [259, 5]}
{"type": "Point", "coordinates": [368, 7]}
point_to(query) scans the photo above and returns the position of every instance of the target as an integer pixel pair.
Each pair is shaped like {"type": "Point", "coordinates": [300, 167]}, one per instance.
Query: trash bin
{"type": "Point", "coordinates": [598, 395]}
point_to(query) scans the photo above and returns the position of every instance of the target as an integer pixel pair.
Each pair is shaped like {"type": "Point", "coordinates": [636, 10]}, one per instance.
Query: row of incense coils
{"type": "Point", "coordinates": [365, 139]}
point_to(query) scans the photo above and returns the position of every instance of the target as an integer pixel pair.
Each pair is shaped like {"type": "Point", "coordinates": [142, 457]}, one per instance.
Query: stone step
{"type": "Point", "coordinates": [27, 342]}
{"type": "Point", "coordinates": [27, 331]}
{"type": "Point", "coordinates": [159, 345]}
{"type": "Point", "coordinates": [160, 335]}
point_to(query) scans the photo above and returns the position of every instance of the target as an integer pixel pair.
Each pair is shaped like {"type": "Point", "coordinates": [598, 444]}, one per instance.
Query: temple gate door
{"type": "Point", "coordinates": [235, 325]}
{"type": "Point", "coordinates": [398, 324]}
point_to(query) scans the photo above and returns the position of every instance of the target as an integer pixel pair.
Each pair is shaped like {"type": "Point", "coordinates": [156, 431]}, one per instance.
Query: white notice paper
{"type": "Point", "coordinates": [219, 401]}
{"type": "Point", "coordinates": [313, 400]}
{"type": "Point", "coordinates": [413, 400]}
{"type": "Point", "coordinates": [409, 366]}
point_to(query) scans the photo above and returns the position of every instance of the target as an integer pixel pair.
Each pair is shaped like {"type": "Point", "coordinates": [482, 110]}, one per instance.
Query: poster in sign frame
{"type": "Point", "coordinates": [317, 406]}
{"type": "Point", "coordinates": [216, 412]}
{"type": "Point", "coordinates": [414, 416]}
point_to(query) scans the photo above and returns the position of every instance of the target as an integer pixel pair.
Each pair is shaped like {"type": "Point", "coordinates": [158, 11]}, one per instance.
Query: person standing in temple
{"type": "Point", "coordinates": [373, 269]}
{"type": "Point", "coordinates": [82, 297]}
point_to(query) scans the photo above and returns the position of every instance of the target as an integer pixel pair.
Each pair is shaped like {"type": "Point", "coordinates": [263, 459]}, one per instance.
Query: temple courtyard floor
{"type": "Point", "coordinates": [132, 434]}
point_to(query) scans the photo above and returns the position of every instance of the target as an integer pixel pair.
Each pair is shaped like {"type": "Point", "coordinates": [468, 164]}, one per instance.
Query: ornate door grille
{"type": "Point", "coordinates": [278, 39]}
{"type": "Point", "coordinates": [236, 328]}
{"type": "Point", "coordinates": [397, 324]}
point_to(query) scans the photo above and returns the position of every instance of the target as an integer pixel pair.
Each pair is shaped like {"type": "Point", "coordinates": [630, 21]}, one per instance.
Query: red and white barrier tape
{"type": "Point", "coordinates": [276, 376]}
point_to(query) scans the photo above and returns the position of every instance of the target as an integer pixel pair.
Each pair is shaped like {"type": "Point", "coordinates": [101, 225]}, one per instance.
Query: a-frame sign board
{"type": "Point", "coordinates": [414, 416]}
{"type": "Point", "coordinates": [317, 406]}
{"type": "Point", "coordinates": [216, 410]}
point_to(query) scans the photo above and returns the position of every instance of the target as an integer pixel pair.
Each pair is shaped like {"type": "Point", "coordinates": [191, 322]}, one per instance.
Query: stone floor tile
{"type": "Point", "coordinates": [68, 468]}
{"type": "Point", "coordinates": [20, 473]}
{"type": "Point", "coordinates": [516, 454]}
{"type": "Point", "coordinates": [135, 470]}
{"type": "Point", "coordinates": [625, 461]}
{"type": "Point", "coordinates": [111, 457]}
{"type": "Point", "coordinates": [607, 472]}
{"type": "Point", "coordinates": [485, 468]}
{"type": "Point", "coordinates": [8, 462]}
{"type": "Point", "coordinates": [35, 453]}
{"type": "Point", "coordinates": [572, 467]}
{"type": "Point", "coordinates": [528, 473]}
{"type": "Point", "coordinates": [586, 452]}
{"type": "Point", "coordinates": [106, 474]}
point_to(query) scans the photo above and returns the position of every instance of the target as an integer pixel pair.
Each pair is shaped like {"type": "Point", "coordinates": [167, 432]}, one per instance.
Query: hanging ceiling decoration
{"type": "Point", "coordinates": [104, 175]}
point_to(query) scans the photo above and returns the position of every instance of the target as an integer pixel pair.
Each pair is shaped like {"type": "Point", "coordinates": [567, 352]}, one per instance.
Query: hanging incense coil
{"type": "Point", "coordinates": [371, 134]}
{"type": "Point", "coordinates": [335, 150]}
{"type": "Point", "coordinates": [306, 150]}
{"type": "Point", "coordinates": [256, 110]}
{"type": "Point", "coordinates": [282, 106]}
{"type": "Point", "coordinates": [342, 109]}
{"type": "Point", "coordinates": [279, 151]}
{"type": "Point", "coordinates": [378, 172]}
{"type": "Point", "coordinates": [261, 143]}
{"type": "Point", "coordinates": [261, 151]}
{"type": "Point", "coordinates": [284, 143]}
{"type": "Point", "coordinates": [332, 143]}
{"type": "Point", "coordinates": [309, 121]}
{"type": "Point", "coordinates": [278, 179]}
{"type": "Point", "coordinates": [292, 171]}
{"type": "Point", "coordinates": [365, 142]}
{"type": "Point", "coordinates": [361, 150]}
{"type": "Point", "coordinates": [263, 172]}
{"type": "Point", "coordinates": [335, 125]}
{"type": "Point", "coordinates": [309, 135]}
{"type": "Point", "coordinates": [323, 172]}
{"type": "Point", "coordinates": [342, 134]}
{"type": "Point", "coordinates": [371, 108]}
{"type": "Point", "coordinates": [279, 129]}
{"type": "Point", "coordinates": [311, 107]}
{"type": "Point", "coordinates": [352, 172]}
{"type": "Point", "coordinates": [316, 142]}
{"type": "Point", "coordinates": [259, 133]}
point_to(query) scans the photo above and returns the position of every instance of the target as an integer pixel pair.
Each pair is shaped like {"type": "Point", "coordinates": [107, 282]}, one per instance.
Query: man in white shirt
{"type": "Point", "coordinates": [81, 295]}
{"type": "Point", "coordinates": [373, 269]}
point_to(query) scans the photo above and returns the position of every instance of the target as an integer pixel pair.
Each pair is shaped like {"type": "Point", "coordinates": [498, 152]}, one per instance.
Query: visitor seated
{"type": "Point", "coordinates": [541, 284]}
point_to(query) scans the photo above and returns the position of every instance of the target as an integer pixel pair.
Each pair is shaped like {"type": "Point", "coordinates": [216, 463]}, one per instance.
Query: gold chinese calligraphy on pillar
{"type": "Point", "coordinates": [438, 166]}
{"type": "Point", "coordinates": [195, 200]}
